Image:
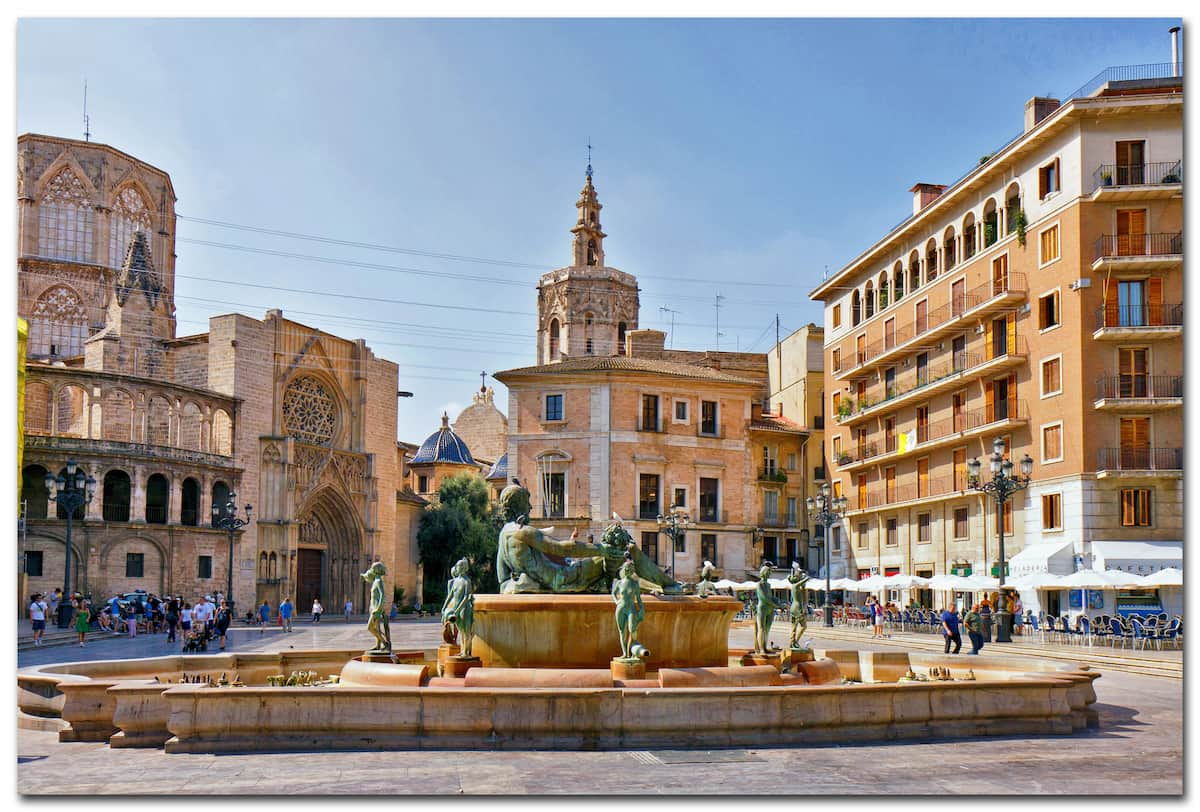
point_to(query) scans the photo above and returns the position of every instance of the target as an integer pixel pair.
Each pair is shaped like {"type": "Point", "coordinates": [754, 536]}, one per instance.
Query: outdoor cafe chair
{"type": "Point", "coordinates": [1049, 633]}
{"type": "Point", "coordinates": [1119, 632]}
{"type": "Point", "coordinates": [1171, 633]}
{"type": "Point", "coordinates": [1035, 627]}
{"type": "Point", "coordinates": [1140, 635]}
{"type": "Point", "coordinates": [1100, 629]}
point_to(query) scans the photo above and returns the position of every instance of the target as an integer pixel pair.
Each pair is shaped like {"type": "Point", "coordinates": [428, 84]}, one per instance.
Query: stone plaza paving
{"type": "Point", "coordinates": [1141, 724]}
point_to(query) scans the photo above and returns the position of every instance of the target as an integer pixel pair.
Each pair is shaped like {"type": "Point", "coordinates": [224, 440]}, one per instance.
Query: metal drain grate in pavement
{"type": "Point", "coordinates": [694, 756]}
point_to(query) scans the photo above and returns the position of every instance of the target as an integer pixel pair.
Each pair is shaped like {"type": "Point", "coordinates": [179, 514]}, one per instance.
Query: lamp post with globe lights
{"type": "Point", "coordinates": [225, 517]}
{"type": "Point", "coordinates": [1001, 487]}
{"type": "Point", "coordinates": [826, 511]}
{"type": "Point", "coordinates": [70, 492]}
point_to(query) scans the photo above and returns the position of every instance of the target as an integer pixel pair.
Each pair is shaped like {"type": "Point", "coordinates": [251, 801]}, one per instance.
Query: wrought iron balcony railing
{"type": "Point", "coordinates": [1139, 386]}
{"type": "Point", "coordinates": [1140, 459]}
{"type": "Point", "coordinates": [1143, 174]}
{"type": "Point", "coordinates": [1108, 246]}
{"type": "Point", "coordinates": [1163, 315]}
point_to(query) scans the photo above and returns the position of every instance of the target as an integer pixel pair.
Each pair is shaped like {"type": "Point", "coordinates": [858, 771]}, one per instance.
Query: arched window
{"type": "Point", "coordinates": [222, 433]}
{"type": "Point", "coordinates": [58, 324]}
{"type": "Point", "coordinates": [931, 260]}
{"type": "Point", "coordinates": [869, 298]}
{"type": "Point", "coordinates": [72, 414]}
{"type": "Point", "coordinates": [970, 239]}
{"type": "Point", "coordinates": [855, 308]}
{"type": "Point", "coordinates": [554, 339]}
{"type": "Point", "coordinates": [262, 566]}
{"type": "Point", "coordinates": [273, 567]}
{"type": "Point", "coordinates": [158, 497]}
{"type": "Point", "coordinates": [591, 254]}
{"type": "Point", "coordinates": [117, 416]}
{"type": "Point", "coordinates": [1012, 205]}
{"type": "Point", "coordinates": [914, 271]}
{"type": "Point", "coordinates": [39, 408]}
{"type": "Point", "coordinates": [898, 280]}
{"type": "Point", "coordinates": [130, 215]}
{"type": "Point", "coordinates": [66, 219]}
{"type": "Point", "coordinates": [116, 496]}
{"type": "Point", "coordinates": [220, 494]}
{"type": "Point", "coordinates": [949, 248]}
{"type": "Point", "coordinates": [158, 422]}
{"type": "Point", "coordinates": [189, 513]}
{"type": "Point", "coordinates": [991, 223]}
{"type": "Point", "coordinates": [33, 491]}
{"type": "Point", "coordinates": [884, 291]}
{"type": "Point", "coordinates": [621, 338]}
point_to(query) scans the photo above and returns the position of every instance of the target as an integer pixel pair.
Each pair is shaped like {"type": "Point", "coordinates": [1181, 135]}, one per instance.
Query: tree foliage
{"type": "Point", "coordinates": [459, 524]}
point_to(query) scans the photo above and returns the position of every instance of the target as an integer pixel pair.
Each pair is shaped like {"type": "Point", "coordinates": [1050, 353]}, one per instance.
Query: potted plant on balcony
{"type": "Point", "coordinates": [1170, 177]}
{"type": "Point", "coordinates": [989, 234]}
{"type": "Point", "coordinates": [844, 458]}
{"type": "Point", "coordinates": [844, 409]}
{"type": "Point", "coordinates": [1106, 178]}
{"type": "Point", "coordinates": [1020, 222]}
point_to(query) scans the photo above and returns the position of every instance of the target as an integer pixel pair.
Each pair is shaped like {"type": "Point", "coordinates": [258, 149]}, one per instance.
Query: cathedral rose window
{"type": "Point", "coordinates": [309, 411]}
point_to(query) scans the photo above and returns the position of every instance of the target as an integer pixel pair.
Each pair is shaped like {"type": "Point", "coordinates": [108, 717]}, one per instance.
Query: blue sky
{"type": "Point", "coordinates": [733, 157]}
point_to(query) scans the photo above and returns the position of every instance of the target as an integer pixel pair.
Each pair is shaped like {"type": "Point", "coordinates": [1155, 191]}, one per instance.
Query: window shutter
{"type": "Point", "coordinates": [1154, 293]}
{"type": "Point", "coordinates": [1126, 508]}
{"type": "Point", "coordinates": [990, 393]}
{"type": "Point", "coordinates": [1144, 506]}
{"type": "Point", "coordinates": [1012, 333]}
{"type": "Point", "coordinates": [988, 341]}
{"type": "Point", "coordinates": [1112, 312]}
{"type": "Point", "coordinates": [1012, 390]}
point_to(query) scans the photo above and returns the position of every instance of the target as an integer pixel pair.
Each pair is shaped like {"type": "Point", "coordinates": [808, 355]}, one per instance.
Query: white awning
{"type": "Point", "coordinates": [1138, 557]}
{"type": "Point", "coordinates": [1057, 558]}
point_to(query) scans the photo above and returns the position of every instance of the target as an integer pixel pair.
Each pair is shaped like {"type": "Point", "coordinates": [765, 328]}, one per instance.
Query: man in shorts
{"type": "Point", "coordinates": [37, 617]}
{"type": "Point", "coordinates": [285, 614]}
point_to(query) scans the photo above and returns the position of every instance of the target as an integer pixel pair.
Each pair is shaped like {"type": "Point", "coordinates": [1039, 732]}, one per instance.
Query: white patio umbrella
{"type": "Point", "coordinates": [725, 583]}
{"type": "Point", "coordinates": [955, 583]}
{"type": "Point", "coordinates": [1094, 579]}
{"type": "Point", "coordinates": [1169, 576]}
{"type": "Point", "coordinates": [779, 583]}
{"type": "Point", "coordinates": [899, 581]}
{"type": "Point", "coordinates": [1034, 580]}
{"type": "Point", "coordinates": [983, 582]}
{"type": "Point", "coordinates": [871, 584]}
{"type": "Point", "coordinates": [1122, 579]}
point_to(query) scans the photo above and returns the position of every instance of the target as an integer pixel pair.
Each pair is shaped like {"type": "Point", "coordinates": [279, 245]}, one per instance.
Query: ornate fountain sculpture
{"type": "Point", "coordinates": [459, 607]}
{"type": "Point", "coordinates": [706, 586]}
{"type": "Point", "coordinates": [764, 610]}
{"type": "Point", "coordinates": [531, 560]}
{"type": "Point", "coordinates": [378, 624]}
{"type": "Point", "coordinates": [798, 611]}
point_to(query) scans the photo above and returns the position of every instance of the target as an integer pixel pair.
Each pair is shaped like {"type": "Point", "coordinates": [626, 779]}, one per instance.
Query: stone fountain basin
{"type": "Point", "coordinates": [400, 707]}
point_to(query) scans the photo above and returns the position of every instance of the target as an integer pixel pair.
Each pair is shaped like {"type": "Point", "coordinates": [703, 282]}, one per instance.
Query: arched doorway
{"type": "Point", "coordinates": [330, 555]}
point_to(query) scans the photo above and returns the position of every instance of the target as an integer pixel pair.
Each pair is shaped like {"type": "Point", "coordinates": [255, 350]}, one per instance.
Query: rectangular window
{"type": "Point", "coordinates": [134, 565]}
{"type": "Point", "coordinates": [791, 462]}
{"type": "Point", "coordinates": [924, 533]}
{"type": "Point", "coordinates": [681, 543]}
{"type": "Point", "coordinates": [1135, 507]}
{"type": "Point", "coordinates": [1052, 376]}
{"type": "Point", "coordinates": [554, 505]}
{"type": "Point", "coordinates": [837, 316]}
{"type": "Point", "coordinates": [771, 549]}
{"type": "Point", "coordinates": [893, 537]}
{"type": "Point", "coordinates": [680, 497]}
{"type": "Point", "coordinates": [791, 511]}
{"type": "Point", "coordinates": [770, 463]}
{"type": "Point", "coordinates": [708, 547]}
{"type": "Point", "coordinates": [792, 547]}
{"type": "Point", "coordinates": [835, 539]}
{"type": "Point", "coordinates": [649, 412]}
{"type": "Point", "coordinates": [648, 507]}
{"type": "Point", "coordinates": [960, 469]}
{"type": "Point", "coordinates": [1048, 311]}
{"type": "Point", "coordinates": [708, 417]}
{"type": "Point", "coordinates": [922, 477]}
{"type": "Point", "coordinates": [770, 507]}
{"type": "Point", "coordinates": [836, 360]}
{"type": "Point", "coordinates": [1133, 363]}
{"type": "Point", "coordinates": [204, 567]}
{"type": "Point", "coordinates": [962, 516]}
{"type": "Point", "coordinates": [33, 563]}
{"type": "Point", "coordinates": [554, 407]}
{"type": "Point", "coordinates": [1052, 449]}
{"type": "Point", "coordinates": [650, 545]}
{"type": "Point", "coordinates": [1131, 166]}
{"type": "Point", "coordinates": [1052, 511]}
{"type": "Point", "coordinates": [709, 491]}
{"type": "Point", "coordinates": [922, 369]}
{"type": "Point", "coordinates": [889, 484]}
{"type": "Point", "coordinates": [1048, 241]}
{"type": "Point", "coordinates": [422, 484]}
{"type": "Point", "coordinates": [1000, 275]}
{"type": "Point", "coordinates": [681, 411]}
{"type": "Point", "coordinates": [1048, 180]}
{"type": "Point", "coordinates": [862, 535]}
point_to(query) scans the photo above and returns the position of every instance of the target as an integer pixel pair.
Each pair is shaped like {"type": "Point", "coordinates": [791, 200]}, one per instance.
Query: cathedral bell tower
{"type": "Point", "coordinates": [587, 307]}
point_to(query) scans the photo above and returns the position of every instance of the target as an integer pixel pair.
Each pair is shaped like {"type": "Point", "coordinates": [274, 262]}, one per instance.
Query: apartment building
{"type": "Point", "coordinates": [1037, 299]}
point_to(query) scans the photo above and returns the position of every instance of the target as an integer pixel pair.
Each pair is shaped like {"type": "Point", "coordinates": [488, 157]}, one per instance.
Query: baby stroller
{"type": "Point", "coordinates": [197, 640]}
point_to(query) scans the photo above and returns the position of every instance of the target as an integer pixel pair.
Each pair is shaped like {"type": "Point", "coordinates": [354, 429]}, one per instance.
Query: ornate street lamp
{"type": "Point", "coordinates": [224, 517]}
{"type": "Point", "coordinates": [1002, 486]}
{"type": "Point", "coordinates": [675, 526]}
{"type": "Point", "coordinates": [70, 492]}
{"type": "Point", "coordinates": [826, 511]}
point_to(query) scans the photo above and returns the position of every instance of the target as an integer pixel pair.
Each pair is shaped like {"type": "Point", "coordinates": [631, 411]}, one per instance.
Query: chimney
{"type": "Point", "coordinates": [1175, 51]}
{"type": "Point", "coordinates": [924, 194]}
{"type": "Point", "coordinates": [1037, 109]}
{"type": "Point", "coordinates": [756, 411]}
{"type": "Point", "coordinates": [644, 342]}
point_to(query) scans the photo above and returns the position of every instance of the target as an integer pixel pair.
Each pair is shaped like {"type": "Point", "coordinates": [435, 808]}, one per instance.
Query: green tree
{"type": "Point", "coordinates": [459, 524]}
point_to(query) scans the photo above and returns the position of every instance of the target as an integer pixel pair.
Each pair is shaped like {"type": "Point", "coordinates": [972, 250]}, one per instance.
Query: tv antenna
{"type": "Point", "coordinates": [717, 308]}
{"type": "Point", "coordinates": [87, 136]}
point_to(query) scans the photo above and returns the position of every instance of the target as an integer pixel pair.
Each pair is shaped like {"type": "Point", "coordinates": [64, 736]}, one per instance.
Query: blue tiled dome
{"type": "Point", "coordinates": [444, 446]}
{"type": "Point", "coordinates": [499, 469]}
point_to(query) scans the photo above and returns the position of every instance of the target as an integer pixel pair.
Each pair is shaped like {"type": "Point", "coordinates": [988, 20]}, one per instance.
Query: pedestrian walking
{"type": "Point", "coordinates": [172, 617]}
{"type": "Point", "coordinates": [985, 618]}
{"type": "Point", "coordinates": [285, 614]}
{"type": "Point", "coordinates": [877, 619]}
{"type": "Point", "coordinates": [185, 620]}
{"type": "Point", "coordinates": [950, 631]}
{"type": "Point", "coordinates": [37, 617]}
{"type": "Point", "coordinates": [202, 615]}
{"type": "Point", "coordinates": [224, 618]}
{"type": "Point", "coordinates": [317, 610]}
{"type": "Point", "coordinates": [82, 619]}
{"type": "Point", "coordinates": [264, 616]}
{"type": "Point", "coordinates": [55, 600]}
{"type": "Point", "coordinates": [974, 623]}
{"type": "Point", "coordinates": [348, 609]}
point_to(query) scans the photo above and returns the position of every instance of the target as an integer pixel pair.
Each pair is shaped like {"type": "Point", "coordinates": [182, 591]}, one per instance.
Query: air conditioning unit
{"type": "Point", "coordinates": [1081, 283]}
{"type": "Point", "coordinates": [980, 330]}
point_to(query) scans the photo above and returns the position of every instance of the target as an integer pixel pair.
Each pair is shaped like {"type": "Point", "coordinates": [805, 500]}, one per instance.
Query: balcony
{"type": "Point", "coordinates": [1139, 462]}
{"type": "Point", "coordinates": [79, 446]}
{"type": "Point", "coordinates": [909, 493]}
{"type": "Point", "coordinates": [772, 475]}
{"type": "Point", "coordinates": [1137, 252]}
{"type": "Point", "coordinates": [777, 518]}
{"type": "Point", "coordinates": [963, 367]}
{"type": "Point", "coordinates": [1138, 322]}
{"type": "Point", "coordinates": [1001, 416]}
{"type": "Point", "coordinates": [1146, 181]}
{"type": "Point", "coordinates": [1118, 393]}
{"type": "Point", "coordinates": [980, 300]}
